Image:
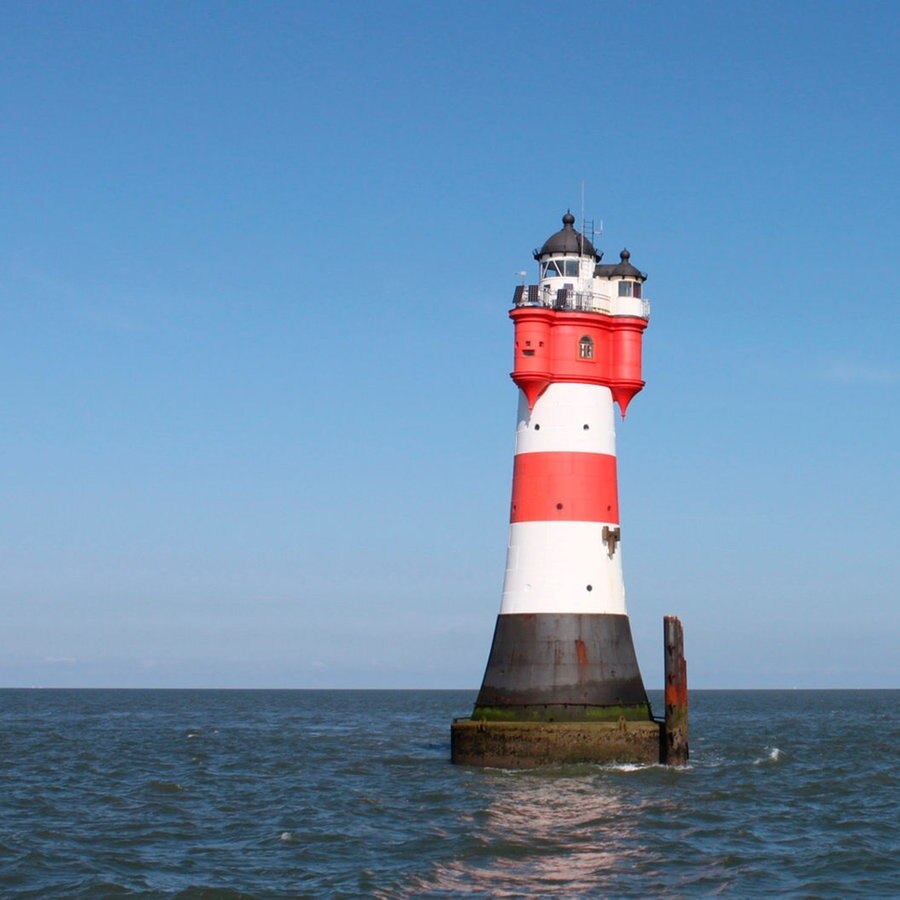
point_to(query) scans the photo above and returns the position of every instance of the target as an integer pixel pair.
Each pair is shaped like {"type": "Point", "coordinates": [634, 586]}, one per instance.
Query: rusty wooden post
{"type": "Point", "coordinates": [676, 725]}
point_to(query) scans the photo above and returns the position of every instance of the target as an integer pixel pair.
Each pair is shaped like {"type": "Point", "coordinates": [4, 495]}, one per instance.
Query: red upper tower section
{"type": "Point", "coordinates": [583, 322]}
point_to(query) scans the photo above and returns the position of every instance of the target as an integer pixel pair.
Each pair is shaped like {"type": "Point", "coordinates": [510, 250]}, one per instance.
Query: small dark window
{"type": "Point", "coordinates": [528, 353]}
{"type": "Point", "coordinates": [637, 289]}
{"type": "Point", "coordinates": [585, 348]}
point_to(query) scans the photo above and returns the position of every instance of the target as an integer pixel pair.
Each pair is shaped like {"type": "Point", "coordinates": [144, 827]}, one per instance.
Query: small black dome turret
{"type": "Point", "coordinates": [567, 241]}
{"type": "Point", "coordinates": [622, 269]}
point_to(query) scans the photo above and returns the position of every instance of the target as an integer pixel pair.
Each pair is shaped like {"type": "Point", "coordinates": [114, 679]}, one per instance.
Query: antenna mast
{"type": "Point", "coordinates": [581, 248]}
{"type": "Point", "coordinates": [585, 224]}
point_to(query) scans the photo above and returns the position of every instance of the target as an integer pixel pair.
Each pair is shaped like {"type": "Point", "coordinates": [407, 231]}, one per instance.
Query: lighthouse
{"type": "Point", "coordinates": [562, 681]}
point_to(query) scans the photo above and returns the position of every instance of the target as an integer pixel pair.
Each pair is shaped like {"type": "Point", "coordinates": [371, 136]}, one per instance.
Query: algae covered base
{"type": "Point", "coordinates": [526, 745]}
{"type": "Point", "coordinates": [563, 712]}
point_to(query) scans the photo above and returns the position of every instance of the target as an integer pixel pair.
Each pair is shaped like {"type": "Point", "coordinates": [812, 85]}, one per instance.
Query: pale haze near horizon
{"type": "Point", "coordinates": [255, 265]}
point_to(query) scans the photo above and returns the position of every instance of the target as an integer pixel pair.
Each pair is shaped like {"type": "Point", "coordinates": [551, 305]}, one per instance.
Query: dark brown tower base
{"type": "Point", "coordinates": [562, 667]}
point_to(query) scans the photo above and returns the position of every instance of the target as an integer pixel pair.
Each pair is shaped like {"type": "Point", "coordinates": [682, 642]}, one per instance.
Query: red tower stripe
{"type": "Point", "coordinates": [564, 487]}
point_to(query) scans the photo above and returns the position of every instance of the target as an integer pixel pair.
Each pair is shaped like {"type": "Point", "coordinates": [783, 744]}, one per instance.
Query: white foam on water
{"type": "Point", "coordinates": [773, 756]}
{"type": "Point", "coordinates": [630, 767]}
{"type": "Point", "coordinates": [285, 836]}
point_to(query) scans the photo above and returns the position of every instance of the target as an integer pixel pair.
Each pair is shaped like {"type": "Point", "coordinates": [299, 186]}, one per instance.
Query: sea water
{"type": "Point", "coordinates": [351, 793]}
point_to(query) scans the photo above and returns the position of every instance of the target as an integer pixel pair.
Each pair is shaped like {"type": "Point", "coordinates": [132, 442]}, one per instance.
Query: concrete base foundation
{"type": "Point", "coordinates": [525, 745]}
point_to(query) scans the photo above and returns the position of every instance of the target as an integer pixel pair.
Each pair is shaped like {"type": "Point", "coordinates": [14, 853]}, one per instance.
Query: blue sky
{"type": "Point", "coordinates": [256, 425]}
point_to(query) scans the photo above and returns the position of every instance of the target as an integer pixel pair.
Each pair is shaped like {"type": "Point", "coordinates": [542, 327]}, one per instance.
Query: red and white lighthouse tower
{"type": "Point", "coordinates": [562, 650]}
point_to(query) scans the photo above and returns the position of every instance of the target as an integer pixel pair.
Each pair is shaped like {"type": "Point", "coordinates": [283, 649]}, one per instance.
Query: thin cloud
{"type": "Point", "coordinates": [862, 373]}
{"type": "Point", "coordinates": [107, 310]}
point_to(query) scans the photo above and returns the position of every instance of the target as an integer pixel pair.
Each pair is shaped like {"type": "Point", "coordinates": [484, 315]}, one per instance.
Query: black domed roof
{"type": "Point", "coordinates": [623, 268]}
{"type": "Point", "coordinates": [568, 240]}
